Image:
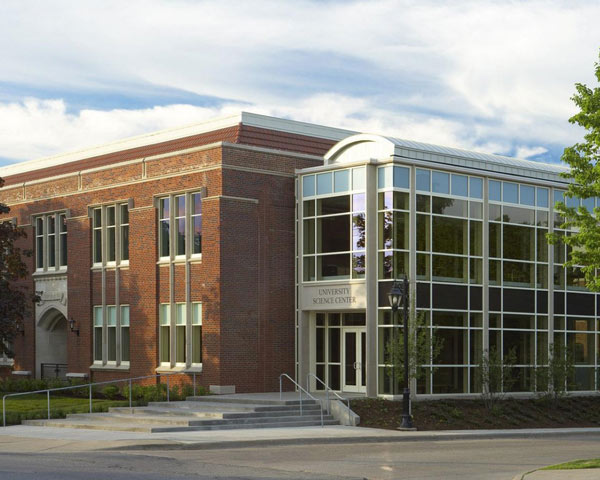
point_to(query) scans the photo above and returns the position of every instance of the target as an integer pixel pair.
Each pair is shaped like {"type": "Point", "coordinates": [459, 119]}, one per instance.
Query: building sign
{"type": "Point", "coordinates": [333, 297]}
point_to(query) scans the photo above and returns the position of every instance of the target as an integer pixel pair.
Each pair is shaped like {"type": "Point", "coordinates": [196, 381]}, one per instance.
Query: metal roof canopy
{"type": "Point", "coordinates": [368, 146]}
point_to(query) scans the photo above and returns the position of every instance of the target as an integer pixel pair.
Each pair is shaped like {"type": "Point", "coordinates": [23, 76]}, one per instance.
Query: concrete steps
{"type": "Point", "coordinates": [197, 414]}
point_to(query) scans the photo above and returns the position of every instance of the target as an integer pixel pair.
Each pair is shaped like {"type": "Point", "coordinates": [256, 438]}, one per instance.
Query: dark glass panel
{"type": "Point", "coordinates": [495, 299]}
{"type": "Point", "coordinates": [450, 380]}
{"type": "Point", "coordinates": [401, 200]}
{"type": "Point", "coordinates": [476, 298]}
{"type": "Point", "coordinates": [476, 270]}
{"type": "Point", "coordinates": [542, 246]}
{"type": "Point", "coordinates": [449, 206]}
{"type": "Point", "coordinates": [449, 235]}
{"type": "Point", "coordinates": [180, 204]}
{"type": "Point", "coordinates": [476, 238]}
{"type": "Point", "coordinates": [449, 319]}
{"type": "Point", "coordinates": [385, 200]}
{"type": "Point", "coordinates": [518, 274]}
{"type": "Point", "coordinates": [309, 269]}
{"type": "Point", "coordinates": [559, 303]}
{"type": "Point", "coordinates": [197, 244]}
{"type": "Point", "coordinates": [575, 279]}
{"type": "Point", "coordinates": [423, 203]}
{"type": "Point", "coordinates": [400, 232]}
{"type": "Point", "coordinates": [494, 240]}
{"type": "Point", "coordinates": [334, 377]}
{"type": "Point", "coordinates": [454, 297]}
{"type": "Point", "coordinates": [164, 238]}
{"type": "Point", "coordinates": [523, 216]}
{"type": "Point", "coordinates": [125, 242]}
{"type": "Point", "coordinates": [542, 302]}
{"type": "Point", "coordinates": [334, 345]}
{"type": "Point", "coordinates": [333, 205]}
{"type": "Point", "coordinates": [309, 208]}
{"type": "Point", "coordinates": [423, 300]}
{"type": "Point", "coordinates": [320, 344]}
{"type": "Point", "coordinates": [580, 304]}
{"type": "Point", "coordinates": [542, 218]}
{"type": "Point", "coordinates": [495, 212]}
{"type": "Point", "coordinates": [519, 242]}
{"type": "Point", "coordinates": [516, 300]}
{"type": "Point", "coordinates": [164, 208]}
{"type": "Point", "coordinates": [449, 269]}
{"type": "Point", "coordinates": [522, 343]}
{"type": "Point", "coordinates": [354, 319]}
{"type": "Point", "coordinates": [581, 346]}
{"type": "Point", "coordinates": [180, 236]}
{"type": "Point", "coordinates": [519, 321]}
{"type": "Point", "coordinates": [385, 229]}
{"type": "Point", "coordinates": [333, 234]}
{"type": "Point", "coordinates": [423, 232]}
{"type": "Point", "coordinates": [422, 266]}
{"type": "Point", "coordinates": [331, 266]}
{"type": "Point", "coordinates": [583, 380]}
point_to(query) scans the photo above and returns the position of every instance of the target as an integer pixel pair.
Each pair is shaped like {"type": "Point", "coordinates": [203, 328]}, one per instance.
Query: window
{"type": "Point", "coordinates": [110, 237]}
{"type": "Point", "coordinates": [180, 225]}
{"type": "Point", "coordinates": [180, 334]}
{"type": "Point", "coordinates": [51, 242]}
{"type": "Point", "coordinates": [111, 335]}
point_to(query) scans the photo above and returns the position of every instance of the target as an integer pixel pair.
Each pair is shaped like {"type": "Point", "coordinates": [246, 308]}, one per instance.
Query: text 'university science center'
{"type": "Point", "coordinates": [249, 246]}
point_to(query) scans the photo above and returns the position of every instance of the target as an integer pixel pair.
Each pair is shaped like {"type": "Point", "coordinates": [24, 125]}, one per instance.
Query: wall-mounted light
{"type": "Point", "coordinates": [72, 325]}
{"type": "Point", "coordinates": [21, 328]}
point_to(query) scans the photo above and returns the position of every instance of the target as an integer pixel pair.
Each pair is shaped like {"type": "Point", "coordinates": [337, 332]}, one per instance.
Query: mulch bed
{"type": "Point", "coordinates": [472, 414]}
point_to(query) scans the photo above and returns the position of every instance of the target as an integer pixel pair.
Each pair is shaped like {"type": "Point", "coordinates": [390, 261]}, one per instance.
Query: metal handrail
{"type": "Point", "coordinates": [300, 390]}
{"type": "Point", "coordinates": [90, 385]}
{"type": "Point", "coordinates": [327, 390]}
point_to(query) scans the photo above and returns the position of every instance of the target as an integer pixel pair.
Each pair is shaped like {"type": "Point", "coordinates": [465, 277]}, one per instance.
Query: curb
{"type": "Point", "coordinates": [224, 444]}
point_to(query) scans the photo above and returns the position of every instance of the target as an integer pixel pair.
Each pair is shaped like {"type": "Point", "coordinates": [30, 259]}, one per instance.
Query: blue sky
{"type": "Point", "coordinates": [493, 76]}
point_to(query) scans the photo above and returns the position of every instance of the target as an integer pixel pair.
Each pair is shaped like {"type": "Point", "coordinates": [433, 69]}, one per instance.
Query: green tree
{"type": "Point", "coordinates": [15, 301]}
{"type": "Point", "coordinates": [496, 375]}
{"type": "Point", "coordinates": [583, 160]}
{"type": "Point", "coordinates": [423, 348]}
{"type": "Point", "coordinates": [554, 381]}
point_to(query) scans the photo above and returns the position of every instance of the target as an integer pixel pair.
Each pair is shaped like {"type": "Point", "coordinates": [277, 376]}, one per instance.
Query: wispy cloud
{"type": "Point", "coordinates": [475, 74]}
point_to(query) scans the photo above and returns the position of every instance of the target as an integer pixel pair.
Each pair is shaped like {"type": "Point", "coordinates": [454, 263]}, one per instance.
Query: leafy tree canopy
{"type": "Point", "coordinates": [15, 302]}
{"type": "Point", "coordinates": [583, 159]}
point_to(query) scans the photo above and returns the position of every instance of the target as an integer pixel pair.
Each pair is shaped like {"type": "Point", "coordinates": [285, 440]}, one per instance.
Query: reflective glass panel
{"type": "Point", "coordinates": [423, 180]}
{"type": "Point", "coordinates": [495, 192]}
{"type": "Point", "coordinates": [440, 182]}
{"type": "Point", "coordinates": [460, 185]}
{"type": "Point", "coordinates": [341, 180]}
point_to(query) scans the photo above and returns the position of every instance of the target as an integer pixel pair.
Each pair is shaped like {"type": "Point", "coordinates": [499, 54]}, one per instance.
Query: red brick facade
{"type": "Point", "coordinates": [245, 278]}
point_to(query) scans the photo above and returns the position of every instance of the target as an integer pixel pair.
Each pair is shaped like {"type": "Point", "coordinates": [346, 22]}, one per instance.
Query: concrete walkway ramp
{"type": "Point", "coordinates": [200, 413]}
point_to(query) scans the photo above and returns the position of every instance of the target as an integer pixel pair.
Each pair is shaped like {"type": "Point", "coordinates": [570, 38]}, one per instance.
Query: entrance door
{"type": "Point", "coordinates": [355, 356]}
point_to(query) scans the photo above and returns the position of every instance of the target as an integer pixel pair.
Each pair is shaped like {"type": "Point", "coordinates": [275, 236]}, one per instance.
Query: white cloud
{"type": "Point", "coordinates": [483, 74]}
{"type": "Point", "coordinates": [36, 127]}
{"type": "Point", "coordinates": [526, 152]}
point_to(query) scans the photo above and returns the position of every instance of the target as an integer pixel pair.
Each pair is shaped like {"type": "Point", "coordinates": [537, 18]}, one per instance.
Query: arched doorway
{"type": "Point", "coordinates": [51, 345]}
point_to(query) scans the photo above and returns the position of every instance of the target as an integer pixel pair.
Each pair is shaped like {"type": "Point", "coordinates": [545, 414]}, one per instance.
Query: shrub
{"type": "Point", "coordinates": [111, 392]}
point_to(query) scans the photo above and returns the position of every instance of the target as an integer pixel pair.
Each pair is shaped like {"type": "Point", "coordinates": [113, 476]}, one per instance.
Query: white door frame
{"type": "Point", "coordinates": [356, 385]}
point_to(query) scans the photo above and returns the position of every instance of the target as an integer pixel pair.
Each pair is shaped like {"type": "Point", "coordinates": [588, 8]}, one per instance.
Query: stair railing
{"type": "Point", "coordinates": [300, 390]}
{"type": "Point", "coordinates": [90, 387]}
{"type": "Point", "coordinates": [327, 390]}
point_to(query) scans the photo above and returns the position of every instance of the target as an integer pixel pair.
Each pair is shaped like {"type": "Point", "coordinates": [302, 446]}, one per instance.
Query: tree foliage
{"type": "Point", "coordinates": [496, 375]}
{"type": "Point", "coordinates": [423, 348]}
{"type": "Point", "coordinates": [554, 381]}
{"type": "Point", "coordinates": [583, 159]}
{"type": "Point", "coordinates": [15, 301]}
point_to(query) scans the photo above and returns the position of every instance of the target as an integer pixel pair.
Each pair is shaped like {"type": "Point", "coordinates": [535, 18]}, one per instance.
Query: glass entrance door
{"type": "Point", "coordinates": [355, 356]}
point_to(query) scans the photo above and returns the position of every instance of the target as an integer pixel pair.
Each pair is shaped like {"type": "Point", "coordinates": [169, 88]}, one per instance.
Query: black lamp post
{"type": "Point", "coordinates": [399, 296]}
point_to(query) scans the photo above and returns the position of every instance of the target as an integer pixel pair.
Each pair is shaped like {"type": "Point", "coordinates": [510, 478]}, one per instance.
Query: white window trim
{"type": "Point", "coordinates": [118, 362]}
{"type": "Point", "coordinates": [172, 364]}
{"type": "Point", "coordinates": [104, 236]}
{"type": "Point", "coordinates": [173, 227]}
{"type": "Point", "coordinates": [44, 217]}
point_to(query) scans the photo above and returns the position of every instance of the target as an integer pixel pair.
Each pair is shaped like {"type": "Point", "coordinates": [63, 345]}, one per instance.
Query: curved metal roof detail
{"type": "Point", "coordinates": [367, 146]}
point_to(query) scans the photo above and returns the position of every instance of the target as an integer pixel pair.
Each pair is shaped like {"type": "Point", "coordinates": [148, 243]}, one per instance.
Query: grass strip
{"type": "Point", "coordinates": [575, 465]}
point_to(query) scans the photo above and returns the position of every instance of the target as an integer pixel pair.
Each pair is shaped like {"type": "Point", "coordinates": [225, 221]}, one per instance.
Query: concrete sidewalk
{"type": "Point", "coordinates": [21, 438]}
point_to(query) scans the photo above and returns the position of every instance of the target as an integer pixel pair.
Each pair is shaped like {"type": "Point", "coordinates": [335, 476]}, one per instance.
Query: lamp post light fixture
{"type": "Point", "coordinates": [399, 296]}
{"type": "Point", "coordinates": [21, 328]}
{"type": "Point", "coordinates": [72, 326]}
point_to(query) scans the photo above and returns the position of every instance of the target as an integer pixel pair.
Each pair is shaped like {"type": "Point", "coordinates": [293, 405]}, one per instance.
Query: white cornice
{"type": "Point", "coordinates": [246, 118]}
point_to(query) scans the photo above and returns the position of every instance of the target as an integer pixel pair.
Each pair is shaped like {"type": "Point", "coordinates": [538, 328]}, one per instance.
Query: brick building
{"type": "Point", "coordinates": [166, 252]}
{"type": "Point", "coordinates": [250, 246]}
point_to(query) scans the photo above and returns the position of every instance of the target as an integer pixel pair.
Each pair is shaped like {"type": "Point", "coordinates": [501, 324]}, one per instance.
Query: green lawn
{"type": "Point", "coordinates": [575, 464]}
{"type": "Point", "coordinates": [36, 406]}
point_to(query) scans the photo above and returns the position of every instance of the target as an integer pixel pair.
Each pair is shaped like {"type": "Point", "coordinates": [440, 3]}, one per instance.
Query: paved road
{"type": "Point", "coordinates": [464, 459]}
